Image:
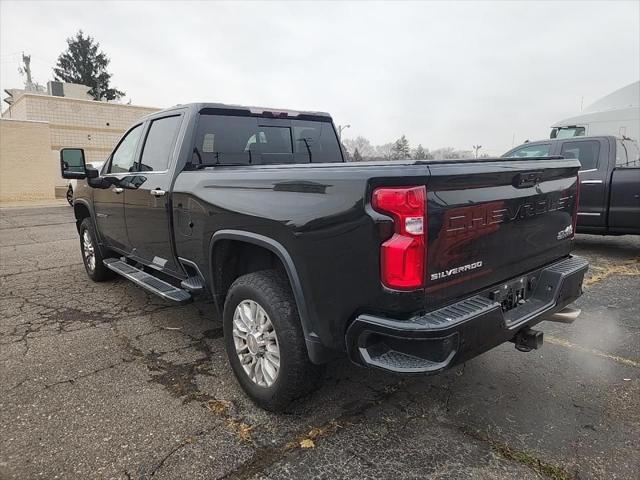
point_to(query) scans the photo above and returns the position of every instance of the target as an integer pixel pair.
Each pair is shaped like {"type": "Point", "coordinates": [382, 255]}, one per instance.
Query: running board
{"type": "Point", "coordinates": [148, 282]}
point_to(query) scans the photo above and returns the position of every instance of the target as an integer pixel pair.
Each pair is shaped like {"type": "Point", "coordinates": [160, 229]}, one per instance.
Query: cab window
{"type": "Point", "coordinates": [124, 156]}
{"type": "Point", "coordinates": [587, 152]}
{"type": "Point", "coordinates": [536, 150]}
{"type": "Point", "coordinates": [158, 146]}
{"type": "Point", "coordinates": [247, 140]}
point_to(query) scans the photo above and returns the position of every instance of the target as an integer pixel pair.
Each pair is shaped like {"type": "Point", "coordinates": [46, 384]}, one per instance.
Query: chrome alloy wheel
{"type": "Point", "coordinates": [256, 343]}
{"type": "Point", "coordinates": [88, 250]}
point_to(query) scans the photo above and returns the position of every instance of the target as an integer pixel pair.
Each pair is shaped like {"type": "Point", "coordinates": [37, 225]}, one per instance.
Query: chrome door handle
{"type": "Point", "coordinates": [157, 192]}
{"type": "Point", "coordinates": [117, 189]}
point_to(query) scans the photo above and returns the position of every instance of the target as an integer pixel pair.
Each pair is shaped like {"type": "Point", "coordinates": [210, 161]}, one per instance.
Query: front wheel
{"type": "Point", "coordinates": [91, 253]}
{"type": "Point", "coordinates": [70, 195]}
{"type": "Point", "coordinates": [264, 340]}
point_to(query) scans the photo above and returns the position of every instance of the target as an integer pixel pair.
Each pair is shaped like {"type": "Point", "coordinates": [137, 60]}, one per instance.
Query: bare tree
{"type": "Point", "coordinates": [383, 152]}
{"type": "Point", "coordinates": [362, 144]}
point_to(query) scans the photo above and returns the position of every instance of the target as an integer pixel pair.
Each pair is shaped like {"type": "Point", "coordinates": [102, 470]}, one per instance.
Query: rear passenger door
{"type": "Point", "coordinates": [146, 197]}
{"type": "Point", "coordinates": [593, 155]}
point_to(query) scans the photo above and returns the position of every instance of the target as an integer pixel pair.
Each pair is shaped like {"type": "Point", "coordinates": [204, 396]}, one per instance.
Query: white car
{"type": "Point", "coordinates": [72, 184]}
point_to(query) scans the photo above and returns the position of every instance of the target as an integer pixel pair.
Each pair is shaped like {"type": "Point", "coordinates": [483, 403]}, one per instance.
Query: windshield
{"type": "Point", "coordinates": [249, 140]}
{"type": "Point", "coordinates": [567, 132]}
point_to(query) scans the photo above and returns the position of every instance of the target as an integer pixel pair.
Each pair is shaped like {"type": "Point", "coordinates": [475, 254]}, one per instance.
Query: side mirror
{"type": "Point", "coordinates": [72, 164]}
{"type": "Point", "coordinates": [92, 172]}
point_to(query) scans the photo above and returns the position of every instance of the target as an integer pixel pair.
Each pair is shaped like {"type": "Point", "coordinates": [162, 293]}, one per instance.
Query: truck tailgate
{"type": "Point", "coordinates": [491, 221]}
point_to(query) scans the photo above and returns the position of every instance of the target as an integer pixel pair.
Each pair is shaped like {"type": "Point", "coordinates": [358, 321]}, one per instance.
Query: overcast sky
{"type": "Point", "coordinates": [444, 74]}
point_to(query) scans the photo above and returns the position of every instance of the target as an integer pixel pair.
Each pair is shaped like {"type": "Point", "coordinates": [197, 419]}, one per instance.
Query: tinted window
{"type": "Point", "coordinates": [124, 155]}
{"type": "Point", "coordinates": [538, 150]}
{"type": "Point", "coordinates": [587, 152]}
{"type": "Point", "coordinates": [273, 144]}
{"type": "Point", "coordinates": [159, 144]}
{"type": "Point", "coordinates": [317, 140]}
{"type": "Point", "coordinates": [222, 139]}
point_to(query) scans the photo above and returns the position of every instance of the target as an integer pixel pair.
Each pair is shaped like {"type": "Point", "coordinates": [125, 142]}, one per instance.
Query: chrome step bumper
{"type": "Point", "coordinates": [434, 341]}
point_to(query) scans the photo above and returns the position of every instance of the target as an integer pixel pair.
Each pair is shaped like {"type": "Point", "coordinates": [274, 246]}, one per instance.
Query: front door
{"type": "Point", "coordinates": [109, 202]}
{"type": "Point", "coordinates": [146, 202]}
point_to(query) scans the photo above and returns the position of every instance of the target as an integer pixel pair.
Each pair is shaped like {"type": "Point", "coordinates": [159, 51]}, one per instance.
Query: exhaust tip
{"type": "Point", "coordinates": [566, 315]}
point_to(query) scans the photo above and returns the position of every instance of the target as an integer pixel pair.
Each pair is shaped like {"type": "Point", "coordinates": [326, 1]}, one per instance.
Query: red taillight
{"type": "Point", "coordinates": [575, 210]}
{"type": "Point", "coordinates": [403, 256]}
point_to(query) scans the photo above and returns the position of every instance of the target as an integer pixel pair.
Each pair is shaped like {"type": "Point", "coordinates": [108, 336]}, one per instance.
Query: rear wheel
{"type": "Point", "coordinates": [264, 341]}
{"type": "Point", "coordinates": [91, 253]}
{"type": "Point", "coordinates": [70, 195]}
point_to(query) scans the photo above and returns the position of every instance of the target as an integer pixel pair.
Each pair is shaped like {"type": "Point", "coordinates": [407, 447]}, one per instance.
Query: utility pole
{"type": "Point", "coordinates": [340, 128]}
{"type": "Point", "coordinates": [476, 148]}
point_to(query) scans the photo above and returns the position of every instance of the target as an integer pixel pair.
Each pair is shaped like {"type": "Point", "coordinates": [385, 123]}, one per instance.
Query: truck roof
{"type": "Point", "coordinates": [223, 108]}
{"type": "Point", "coordinates": [555, 140]}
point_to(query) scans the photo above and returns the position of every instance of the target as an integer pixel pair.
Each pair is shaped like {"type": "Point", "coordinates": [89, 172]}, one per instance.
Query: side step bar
{"type": "Point", "coordinates": [148, 282]}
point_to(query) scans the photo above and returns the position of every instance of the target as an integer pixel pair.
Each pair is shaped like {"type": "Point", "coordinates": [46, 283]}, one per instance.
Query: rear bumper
{"type": "Point", "coordinates": [442, 338]}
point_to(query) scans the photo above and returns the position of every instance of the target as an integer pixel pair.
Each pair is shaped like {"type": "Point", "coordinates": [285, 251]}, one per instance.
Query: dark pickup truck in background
{"type": "Point", "coordinates": [609, 180]}
{"type": "Point", "coordinates": [408, 266]}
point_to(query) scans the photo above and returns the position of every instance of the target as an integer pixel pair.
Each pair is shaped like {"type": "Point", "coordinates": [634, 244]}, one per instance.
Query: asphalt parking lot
{"type": "Point", "coordinates": [107, 381]}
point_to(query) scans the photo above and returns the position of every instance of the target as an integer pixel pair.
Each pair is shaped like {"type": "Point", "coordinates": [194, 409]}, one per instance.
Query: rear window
{"type": "Point", "coordinates": [245, 140]}
{"type": "Point", "coordinates": [586, 151]}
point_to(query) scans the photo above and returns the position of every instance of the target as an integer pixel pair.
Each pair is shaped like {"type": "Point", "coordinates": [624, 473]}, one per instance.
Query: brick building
{"type": "Point", "coordinates": [71, 121]}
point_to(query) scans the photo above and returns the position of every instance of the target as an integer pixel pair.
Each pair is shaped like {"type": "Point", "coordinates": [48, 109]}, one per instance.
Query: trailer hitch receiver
{"type": "Point", "coordinates": [528, 339]}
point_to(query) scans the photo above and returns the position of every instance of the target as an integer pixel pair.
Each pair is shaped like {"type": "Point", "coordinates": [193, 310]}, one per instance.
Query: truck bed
{"type": "Point", "coordinates": [517, 216]}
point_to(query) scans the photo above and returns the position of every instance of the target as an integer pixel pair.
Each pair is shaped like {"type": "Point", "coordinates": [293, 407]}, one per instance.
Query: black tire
{"type": "Point", "coordinates": [297, 376]}
{"type": "Point", "coordinates": [98, 272]}
{"type": "Point", "coordinates": [70, 195]}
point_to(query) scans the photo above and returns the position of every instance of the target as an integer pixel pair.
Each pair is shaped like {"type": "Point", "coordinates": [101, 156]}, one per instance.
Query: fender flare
{"type": "Point", "coordinates": [92, 215]}
{"type": "Point", "coordinates": [83, 202]}
{"type": "Point", "coordinates": [317, 353]}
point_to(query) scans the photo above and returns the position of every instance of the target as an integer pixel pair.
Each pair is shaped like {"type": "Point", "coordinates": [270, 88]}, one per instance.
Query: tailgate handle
{"type": "Point", "coordinates": [529, 179]}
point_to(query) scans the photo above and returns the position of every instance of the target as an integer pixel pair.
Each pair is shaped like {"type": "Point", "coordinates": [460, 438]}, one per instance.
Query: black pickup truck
{"type": "Point", "coordinates": [408, 266]}
{"type": "Point", "coordinates": [609, 180]}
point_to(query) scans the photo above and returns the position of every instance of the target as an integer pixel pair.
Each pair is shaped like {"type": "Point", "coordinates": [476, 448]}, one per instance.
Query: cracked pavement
{"type": "Point", "coordinates": [108, 381]}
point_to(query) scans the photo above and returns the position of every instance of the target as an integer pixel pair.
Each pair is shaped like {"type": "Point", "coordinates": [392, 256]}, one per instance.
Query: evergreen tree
{"type": "Point", "coordinates": [356, 155]}
{"type": "Point", "coordinates": [401, 149]}
{"type": "Point", "coordinates": [83, 63]}
{"type": "Point", "coordinates": [420, 153]}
